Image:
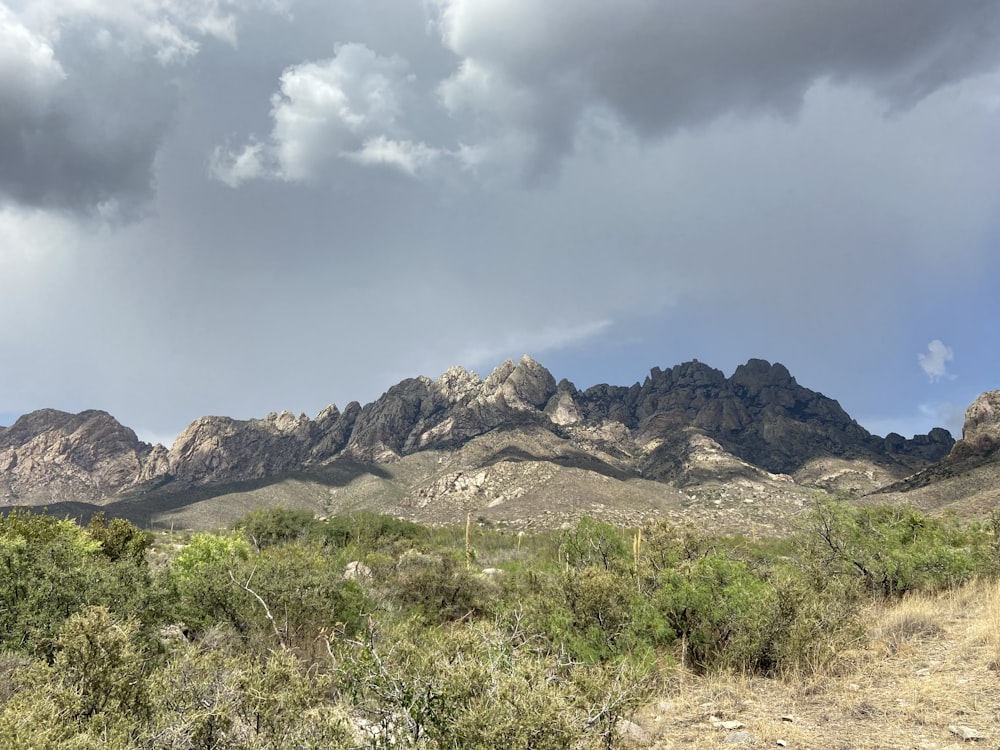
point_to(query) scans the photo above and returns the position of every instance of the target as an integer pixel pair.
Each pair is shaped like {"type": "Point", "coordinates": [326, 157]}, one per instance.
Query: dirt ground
{"type": "Point", "coordinates": [928, 680]}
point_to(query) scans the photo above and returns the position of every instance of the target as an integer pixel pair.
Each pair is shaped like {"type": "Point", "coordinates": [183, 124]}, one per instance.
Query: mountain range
{"type": "Point", "coordinates": [745, 453]}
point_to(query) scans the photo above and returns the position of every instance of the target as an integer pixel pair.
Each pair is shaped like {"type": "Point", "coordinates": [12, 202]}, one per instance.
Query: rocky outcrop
{"type": "Point", "coordinates": [966, 480]}
{"type": "Point", "coordinates": [223, 449]}
{"type": "Point", "coordinates": [49, 455]}
{"type": "Point", "coordinates": [759, 414]}
{"type": "Point", "coordinates": [420, 414]}
{"type": "Point", "coordinates": [928, 448]}
{"type": "Point", "coordinates": [981, 431]}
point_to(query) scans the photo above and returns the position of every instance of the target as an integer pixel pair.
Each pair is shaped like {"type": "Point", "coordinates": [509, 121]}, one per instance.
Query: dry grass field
{"type": "Point", "coordinates": [927, 678]}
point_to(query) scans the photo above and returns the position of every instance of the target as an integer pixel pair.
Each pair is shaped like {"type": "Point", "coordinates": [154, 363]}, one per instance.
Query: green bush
{"type": "Point", "coordinates": [480, 687]}
{"type": "Point", "coordinates": [371, 532]}
{"type": "Point", "coordinates": [889, 549]}
{"type": "Point", "coordinates": [722, 612]}
{"type": "Point", "coordinates": [285, 595]}
{"type": "Point", "coordinates": [50, 569]}
{"type": "Point", "coordinates": [593, 543]}
{"type": "Point", "coordinates": [120, 539]}
{"type": "Point", "coordinates": [437, 588]}
{"type": "Point", "coordinates": [268, 527]}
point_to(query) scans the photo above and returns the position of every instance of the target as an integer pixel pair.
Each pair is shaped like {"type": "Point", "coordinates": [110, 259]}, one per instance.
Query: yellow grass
{"type": "Point", "coordinates": [931, 662]}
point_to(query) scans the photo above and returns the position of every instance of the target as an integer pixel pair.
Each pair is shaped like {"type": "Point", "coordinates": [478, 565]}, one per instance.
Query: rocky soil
{"type": "Point", "coordinates": [925, 678]}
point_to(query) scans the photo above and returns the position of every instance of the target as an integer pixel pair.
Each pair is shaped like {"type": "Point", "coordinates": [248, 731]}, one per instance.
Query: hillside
{"type": "Point", "coordinates": [966, 481]}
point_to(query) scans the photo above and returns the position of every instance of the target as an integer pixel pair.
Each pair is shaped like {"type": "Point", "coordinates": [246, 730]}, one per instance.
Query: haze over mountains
{"type": "Point", "coordinates": [516, 447]}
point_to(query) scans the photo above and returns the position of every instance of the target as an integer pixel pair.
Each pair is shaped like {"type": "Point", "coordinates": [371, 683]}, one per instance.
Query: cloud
{"type": "Point", "coordinates": [925, 418]}
{"type": "Point", "coordinates": [169, 31]}
{"type": "Point", "coordinates": [348, 107]}
{"type": "Point", "coordinates": [532, 79]}
{"type": "Point", "coordinates": [31, 242]}
{"type": "Point", "coordinates": [537, 342]}
{"type": "Point", "coordinates": [88, 93]}
{"type": "Point", "coordinates": [660, 67]}
{"type": "Point", "coordinates": [935, 361]}
{"type": "Point", "coordinates": [29, 72]}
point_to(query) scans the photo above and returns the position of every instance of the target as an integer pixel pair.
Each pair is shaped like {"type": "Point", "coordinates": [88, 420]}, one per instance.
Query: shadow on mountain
{"type": "Point", "coordinates": [573, 461]}
{"type": "Point", "coordinates": [143, 507]}
{"type": "Point", "coordinates": [949, 468]}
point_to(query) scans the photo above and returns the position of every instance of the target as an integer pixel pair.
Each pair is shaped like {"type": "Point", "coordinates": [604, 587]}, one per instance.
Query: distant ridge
{"type": "Point", "coordinates": [686, 426]}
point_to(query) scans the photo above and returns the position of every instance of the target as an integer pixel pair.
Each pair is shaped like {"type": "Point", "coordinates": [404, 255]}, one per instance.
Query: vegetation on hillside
{"type": "Point", "coordinates": [369, 632]}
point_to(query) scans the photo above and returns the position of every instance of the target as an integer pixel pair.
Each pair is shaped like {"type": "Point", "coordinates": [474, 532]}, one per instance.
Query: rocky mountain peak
{"type": "Point", "coordinates": [50, 453]}
{"type": "Point", "coordinates": [982, 419]}
{"type": "Point", "coordinates": [686, 374]}
{"type": "Point", "coordinates": [528, 384]}
{"type": "Point", "coordinates": [457, 384]}
{"type": "Point", "coordinates": [759, 374]}
{"type": "Point", "coordinates": [981, 431]}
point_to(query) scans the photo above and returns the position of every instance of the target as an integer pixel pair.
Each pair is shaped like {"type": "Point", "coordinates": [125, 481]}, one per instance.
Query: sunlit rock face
{"type": "Point", "coordinates": [686, 423]}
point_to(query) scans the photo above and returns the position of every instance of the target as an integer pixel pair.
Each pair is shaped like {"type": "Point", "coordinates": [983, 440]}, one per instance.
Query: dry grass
{"type": "Point", "coordinates": [931, 662]}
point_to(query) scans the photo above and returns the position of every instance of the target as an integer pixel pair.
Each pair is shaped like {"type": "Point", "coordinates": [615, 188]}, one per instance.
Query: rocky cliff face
{"type": "Point", "coordinates": [419, 413]}
{"type": "Point", "coordinates": [49, 455]}
{"type": "Point", "coordinates": [760, 414]}
{"type": "Point", "coordinates": [967, 480]}
{"type": "Point", "coordinates": [981, 431]}
{"type": "Point", "coordinates": [680, 425]}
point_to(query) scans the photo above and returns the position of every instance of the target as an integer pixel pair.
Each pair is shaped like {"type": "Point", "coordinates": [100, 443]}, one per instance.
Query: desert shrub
{"type": "Point", "coordinates": [814, 621]}
{"type": "Point", "coordinates": [51, 568]}
{"type": "Point", "coordinates": [199, 586]}
{"type": "Point", "coordinates": [207, 699]}
{"type": "Point", "coordinates": [92, 697]}
{"type": "Point", "coordinates": [889, 549]}
{"type": "Point", "coordinates": [303, 589]}
{"type": "Point", "coordinates": [663, 547]}
{"type": "Point", "coordinates": [369, 531]}
{"type": "Point", "coordinates": [601, 604]}
{"type": "Point", "coordinates": [437, 588]}
{"type": "Point", "coordinates": [204, 550]}
{"type": "Point", "coordinates": [722, 612]}
{"type": "Point", "coordinates": [593, 543]}
{"type": "Point", "coordinates": [270, 526]}
{"type": "Point", "coordinates": [120, 539]}
{"type": "Point", "coordinates": [591, 615]}
{"type": "Point", "coordinates": [285, 595]}
{"type": "Point", "coordinates": [102, 659]}
{"type": "Point", "coordinates": [480, 687]}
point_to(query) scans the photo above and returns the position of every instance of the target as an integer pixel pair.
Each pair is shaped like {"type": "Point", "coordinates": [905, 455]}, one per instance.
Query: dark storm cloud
{"type": "Point", "coordinates": [88, 93]}
{"type": "Point", "coordinates": [678, 218]}
{"type": "Point", "coordinates": [542, 68]}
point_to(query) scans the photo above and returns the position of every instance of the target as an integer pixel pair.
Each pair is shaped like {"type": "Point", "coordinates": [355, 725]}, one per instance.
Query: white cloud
{"type": "Point", "coordinates": [29, 70]}
{"type": "Point", "coordinates": [234, 167]}
{"type": "Point", "coordinates": [407, 156]}
{"type": "Point", "coordinates": [347, 107]}
{"type": "Point", "coordinates": [537, 342]}
{"type": "Point", "coordinates": [325, 108]}
{"type": "Point", "coordinates": [935, 361]}
{"type": "Point", "coordinates": [171, 31]}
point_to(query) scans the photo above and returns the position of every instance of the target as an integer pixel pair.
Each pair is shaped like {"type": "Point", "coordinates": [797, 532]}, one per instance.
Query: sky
{"type": "Point", "coordinates": [234, 207]}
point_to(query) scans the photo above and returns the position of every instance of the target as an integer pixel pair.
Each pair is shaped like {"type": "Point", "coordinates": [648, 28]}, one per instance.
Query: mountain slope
{"type": "Point", "coordinates": [967, 480]}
